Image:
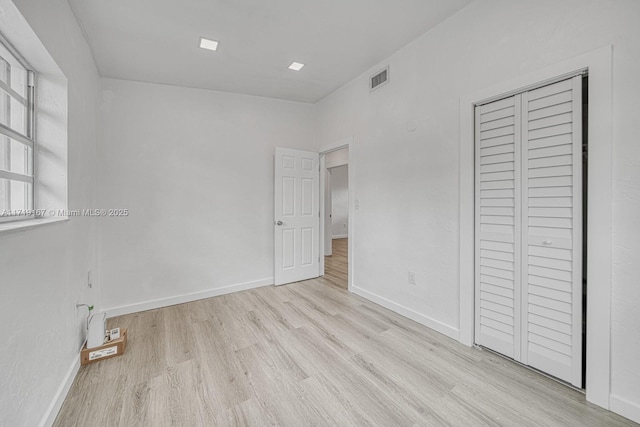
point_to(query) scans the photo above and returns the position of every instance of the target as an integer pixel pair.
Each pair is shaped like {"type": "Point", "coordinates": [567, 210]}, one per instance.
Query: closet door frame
{"type": "Point", "coordinates": [598, 64]}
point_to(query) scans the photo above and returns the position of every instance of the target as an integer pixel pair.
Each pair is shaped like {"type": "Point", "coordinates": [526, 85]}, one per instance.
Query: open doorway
{"type": "Point", "coordinates": [336, 207]}
{"type": "Point", "coordinates": [337, 232]}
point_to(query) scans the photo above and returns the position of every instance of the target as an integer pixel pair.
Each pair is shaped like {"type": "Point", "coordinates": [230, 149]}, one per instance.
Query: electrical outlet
{"type": "Point", "coordinates": [412, 277]}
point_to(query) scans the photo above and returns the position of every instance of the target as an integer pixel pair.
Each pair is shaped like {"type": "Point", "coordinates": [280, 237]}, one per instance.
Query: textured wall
{"type": "Point", "coordinates": [43, 270]}
{"type": "Point", "coordinates": [407, 182]}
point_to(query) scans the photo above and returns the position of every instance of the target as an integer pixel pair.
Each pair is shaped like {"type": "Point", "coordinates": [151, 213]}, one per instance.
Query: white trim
{"type": "Point", "coordinates": [15, 95]}
{"type": "Point", "coordinates": [15, 135]}
{"type": "Point", "coordinates": [58, 399]}
{"type": "Point", "coordinates": [339, 236]}
{"type": "Point", "coordinates": [26, 224]}
{"type": "Point", "coordinates": [625, 408]}
{"type": "Point", "coordinates": [598, 63]}
{"type": "Point", "coordinates": [180, 299]}
{"type": "Point", "coordinates": [347, 142]}
{"type": "Point", "coordinates": [16, 177]}
{"type": "Point", "coordinates": [338, 145]}
{"type": "Point", "coordinates": [427, 321]}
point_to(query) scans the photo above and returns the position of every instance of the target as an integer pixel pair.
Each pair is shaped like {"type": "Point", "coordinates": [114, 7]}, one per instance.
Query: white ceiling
{"type": "Point", "coordinates": [337, 40]}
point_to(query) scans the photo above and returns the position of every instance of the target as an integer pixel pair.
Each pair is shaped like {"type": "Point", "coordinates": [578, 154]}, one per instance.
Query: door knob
{"type": "Point", "coordinates": [279, 222]}
{"type": "Point", "coordinates": [547, 242]}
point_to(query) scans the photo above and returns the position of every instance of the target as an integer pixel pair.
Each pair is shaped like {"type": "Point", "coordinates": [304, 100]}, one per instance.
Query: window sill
{"type": "Point", "coordinates": [27, 224]}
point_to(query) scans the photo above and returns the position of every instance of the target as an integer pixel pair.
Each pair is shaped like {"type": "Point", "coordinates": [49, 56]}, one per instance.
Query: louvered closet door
{"type": "Point", "coordinates": [552, 229]}
{"type": "Point", "coordinates": [497, 226]}
{"type": "Point", "coordinates": [529, 228]}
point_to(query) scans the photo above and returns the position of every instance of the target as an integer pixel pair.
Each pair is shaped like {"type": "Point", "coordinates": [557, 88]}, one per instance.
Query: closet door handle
{"type": "Point", "coordinates": [547, 242]}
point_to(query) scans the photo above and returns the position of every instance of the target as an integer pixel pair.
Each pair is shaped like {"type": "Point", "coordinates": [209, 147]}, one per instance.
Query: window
{"type": "Point", "coordinates": [16, 136]}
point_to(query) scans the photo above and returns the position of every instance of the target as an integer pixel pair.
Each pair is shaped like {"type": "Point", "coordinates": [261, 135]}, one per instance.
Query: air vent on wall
{"type": "Point", "coordinates": [379, 79]}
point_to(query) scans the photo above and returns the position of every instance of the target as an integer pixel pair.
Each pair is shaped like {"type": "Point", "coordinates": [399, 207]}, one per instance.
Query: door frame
{"type": "Point", "coordinates": [323, 151]}
{"type": "Point", "coordinates": [598, 63]}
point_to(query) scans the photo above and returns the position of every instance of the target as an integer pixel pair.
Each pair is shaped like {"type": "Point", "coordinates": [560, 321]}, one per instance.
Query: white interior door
{"type": "Point", "coordinates": [529, 228]}
{"type": "Point", "coordinates": [297, 215]}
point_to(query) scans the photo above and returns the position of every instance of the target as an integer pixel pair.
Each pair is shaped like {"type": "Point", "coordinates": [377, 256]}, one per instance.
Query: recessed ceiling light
{"type": "Point", "coordinates": [208, 44]}
{"type": "Point", "coordinates": [296, 66]}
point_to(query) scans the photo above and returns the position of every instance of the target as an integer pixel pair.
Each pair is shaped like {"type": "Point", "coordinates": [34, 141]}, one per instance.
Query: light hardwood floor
{"type": "Point", "coordinates": [335, 265]}
{"type": "Point", "coordinates": [309, 354]}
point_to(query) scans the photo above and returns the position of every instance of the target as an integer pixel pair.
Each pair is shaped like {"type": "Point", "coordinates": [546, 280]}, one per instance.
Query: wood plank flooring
{"type": "Point", "coordinates": [309, 354]}
{"type": "Point", "coordinates": [335, 265]}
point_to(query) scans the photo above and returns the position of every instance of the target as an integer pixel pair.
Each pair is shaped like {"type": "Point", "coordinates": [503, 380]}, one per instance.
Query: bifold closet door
{"type": "Point", "coordinates": [498, 217]}
{"type": "Point", "coordinates": [529, 228]}
{"type": "Point", "coordinates": [552, 232]}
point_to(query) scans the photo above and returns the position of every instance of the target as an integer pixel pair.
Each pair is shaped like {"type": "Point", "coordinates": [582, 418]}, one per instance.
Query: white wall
{"type": "Point", "coordinates": [43, 270]}
{"type": "Point", "coordinates": [407, 182]}
{"type": "Point", "coordinates": [195, 169]}
{"type": "Point", "coordinates": [339, 201]}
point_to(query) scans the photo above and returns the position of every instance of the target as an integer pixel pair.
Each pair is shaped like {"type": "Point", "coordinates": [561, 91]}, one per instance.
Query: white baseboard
{"type": "Point", "coordinates": [58, 399]}
{"type": "Point", "coordinates": [180, 299]}
{"type": "Point", "coordinates": [625, 408]}
{"type": "Point", "coordinates": [411, 314]}
{"type": "Point", "coordinates": [339, 236]}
